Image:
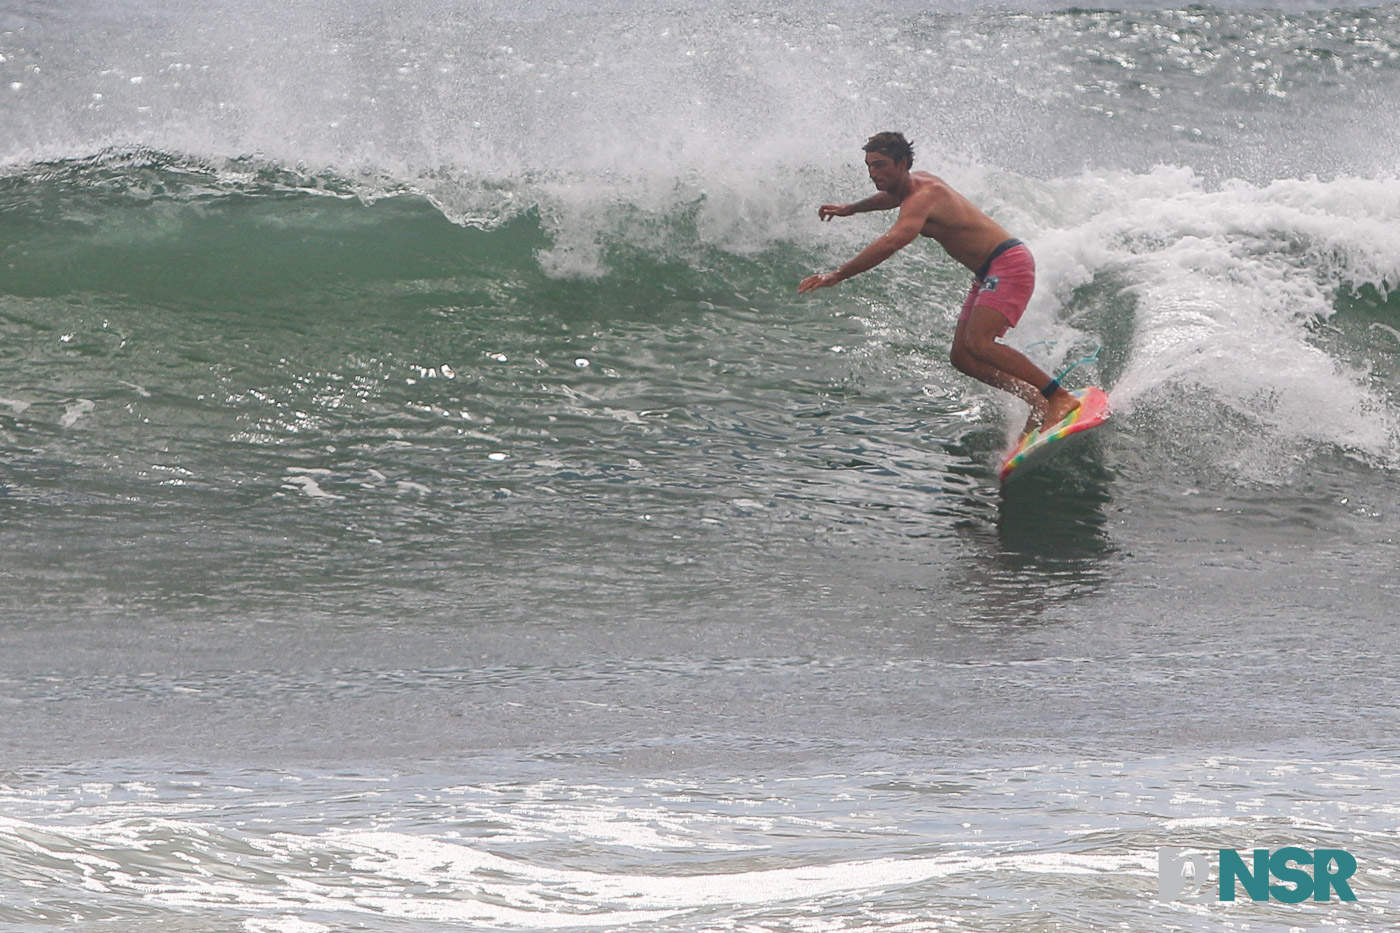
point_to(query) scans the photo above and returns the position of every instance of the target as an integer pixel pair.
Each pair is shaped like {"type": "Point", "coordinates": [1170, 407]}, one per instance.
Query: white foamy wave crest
{"type": "Point", "coordinates": [1229, 285]}
{"type": "Point", "coordinates": [540, 898]}
{"type": "Point", "coordinates": [288, 882]}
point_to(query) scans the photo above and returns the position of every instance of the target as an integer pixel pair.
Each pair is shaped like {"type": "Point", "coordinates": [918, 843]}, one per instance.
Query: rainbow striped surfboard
{"type": "Point", "coordinates": [1093, 411]}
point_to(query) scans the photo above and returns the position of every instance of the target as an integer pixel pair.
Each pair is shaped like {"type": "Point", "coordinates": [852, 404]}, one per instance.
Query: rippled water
{"type": "Point", "coordinates": [425, 503]}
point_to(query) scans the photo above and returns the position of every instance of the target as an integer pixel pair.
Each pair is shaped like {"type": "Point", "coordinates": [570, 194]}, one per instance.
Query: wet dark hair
{"type": "Point", "coordinates": [893, 145]}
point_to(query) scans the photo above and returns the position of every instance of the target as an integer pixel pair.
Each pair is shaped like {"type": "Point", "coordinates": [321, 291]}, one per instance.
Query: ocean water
{"type": "Point", "coordinates": [426, 504]}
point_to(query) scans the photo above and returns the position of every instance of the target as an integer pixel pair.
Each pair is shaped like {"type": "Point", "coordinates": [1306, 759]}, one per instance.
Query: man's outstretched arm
{"type": "Point", "coordinates": [910, 224]}
{"type": "Point", "coordinates": [881, 201]}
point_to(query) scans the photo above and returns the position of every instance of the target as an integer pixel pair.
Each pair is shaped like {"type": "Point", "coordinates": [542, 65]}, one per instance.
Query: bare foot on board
{"type": "Point", "coordinates": [1060, 407]}
{"type": "Point", "coordinates": [1033, 424]}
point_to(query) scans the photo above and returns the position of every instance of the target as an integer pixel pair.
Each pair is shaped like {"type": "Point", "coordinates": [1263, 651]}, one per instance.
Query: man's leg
{"type": "Point", "coordinates": [977, 353]}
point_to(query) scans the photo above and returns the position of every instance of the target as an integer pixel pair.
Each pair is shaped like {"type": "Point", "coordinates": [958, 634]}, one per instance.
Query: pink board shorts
{"type": "Point", "coordinates": [1004, 283]}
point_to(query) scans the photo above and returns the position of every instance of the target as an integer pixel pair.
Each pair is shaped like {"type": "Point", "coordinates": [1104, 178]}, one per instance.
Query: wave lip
{"type": "Point", "coordinates": [1228, 289]}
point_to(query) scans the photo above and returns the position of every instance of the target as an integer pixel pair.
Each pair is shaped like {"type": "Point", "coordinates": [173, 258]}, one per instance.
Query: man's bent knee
{"type": "Point", "coordinates": [975, 351]}
{"type": "Point", "coordinates": [963, 361]}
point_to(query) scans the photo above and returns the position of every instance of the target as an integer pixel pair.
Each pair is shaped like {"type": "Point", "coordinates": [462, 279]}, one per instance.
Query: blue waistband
{"type": "Point", "coordinates": [1001, 248]}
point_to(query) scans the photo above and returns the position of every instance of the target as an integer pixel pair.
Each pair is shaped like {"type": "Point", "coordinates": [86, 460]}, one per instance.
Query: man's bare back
{"type": "Point", "coordinates": [929, 207]}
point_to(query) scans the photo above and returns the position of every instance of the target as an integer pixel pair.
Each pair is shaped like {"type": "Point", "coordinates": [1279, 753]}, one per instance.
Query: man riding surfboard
{"type": "Point", "coordinates": [1003, 272]}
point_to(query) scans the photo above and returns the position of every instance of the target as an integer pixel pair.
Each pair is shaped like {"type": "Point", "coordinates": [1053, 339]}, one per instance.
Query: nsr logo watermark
{"type": "Point", "coordinates": [1185, 877]}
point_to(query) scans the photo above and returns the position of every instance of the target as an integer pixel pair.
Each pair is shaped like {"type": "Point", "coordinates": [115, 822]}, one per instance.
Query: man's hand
{"type": "Point", "coordinates": [821, 280]}
{"type": "Point", "coordinates": [828, 211]}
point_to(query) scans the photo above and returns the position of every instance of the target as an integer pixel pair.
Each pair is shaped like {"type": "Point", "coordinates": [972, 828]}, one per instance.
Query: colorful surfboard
{"type": "Point", "coordinates": [1093, 411]}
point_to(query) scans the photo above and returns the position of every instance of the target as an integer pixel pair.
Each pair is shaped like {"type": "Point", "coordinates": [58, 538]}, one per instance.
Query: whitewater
{"type": "Point", "coordinates": [426, 504]}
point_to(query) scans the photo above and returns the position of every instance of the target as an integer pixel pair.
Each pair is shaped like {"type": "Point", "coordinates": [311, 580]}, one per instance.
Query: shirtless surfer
{"type": "Point", "coordinates": [1003, 272]}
